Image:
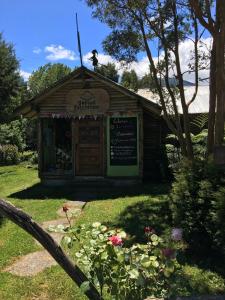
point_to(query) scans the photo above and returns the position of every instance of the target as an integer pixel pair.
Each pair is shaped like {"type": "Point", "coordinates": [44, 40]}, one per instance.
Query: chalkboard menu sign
{"type": "Point", "coordinates": [123, 141]}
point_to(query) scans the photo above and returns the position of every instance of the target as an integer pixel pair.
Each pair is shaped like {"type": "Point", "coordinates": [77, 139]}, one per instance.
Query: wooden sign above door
{"type": "Point", "coordinates": [85, 102]}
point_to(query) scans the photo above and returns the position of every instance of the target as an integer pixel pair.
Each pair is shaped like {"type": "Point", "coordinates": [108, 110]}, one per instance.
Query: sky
{"type": "Point", "coordinates": [44, 31]}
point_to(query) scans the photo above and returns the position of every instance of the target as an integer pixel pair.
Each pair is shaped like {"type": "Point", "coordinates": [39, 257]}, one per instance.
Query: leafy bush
{"type": "Point", "coordinates": [9, 155]}
{"type": "Point", "coordinates": [34, 158]}
{"type": "Point", "coordinates": [125, 272]}
{"type": "Point", "coordinates": [29, 156]}
{"type": "Point", "coordinates": [14, 133]}
{"type": "Point", "coordinates": [197, 204]}
{"type": "Point", "coordinates": [26, 156]}
{"type": "Point", "coordinates": [218, 216]}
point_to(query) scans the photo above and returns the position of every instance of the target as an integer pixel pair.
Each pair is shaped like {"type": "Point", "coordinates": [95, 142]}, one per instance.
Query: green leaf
{"type": "Point", "coordinates": [154, 237]}
{"type": "Point", "coordinates": [122, 234]}
{"type": "Point", "coordinates": [67, 239]}
{"type": "Point", "coordinates": [103, 228]}
{"type": "Point", "coordinates": [78, 254]}
{"type": "Point", "coordinates": [52, 228]}
{"type": "Point", "coordinates": [153, 257]}
{"type": "Point", "coordinates": [155, 264]}
{"type": "Point", "coordinates": [104, 255]}
{"type": "Point", "coordinates": [85, 286]}
{"type": "Point", "coordinates": [133, 274]}
{"type": "Point", "coordinates": [146, 262]}
{"type": "Point", "coordinates": [96, 224]}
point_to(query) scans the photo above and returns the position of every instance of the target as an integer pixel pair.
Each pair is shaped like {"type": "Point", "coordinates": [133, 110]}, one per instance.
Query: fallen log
{"type": "Point", "coordinates": [26, 222]}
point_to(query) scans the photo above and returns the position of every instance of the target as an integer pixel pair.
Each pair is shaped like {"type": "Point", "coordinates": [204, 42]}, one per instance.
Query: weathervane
{"type": "Point", "coordinates": [94, 58]}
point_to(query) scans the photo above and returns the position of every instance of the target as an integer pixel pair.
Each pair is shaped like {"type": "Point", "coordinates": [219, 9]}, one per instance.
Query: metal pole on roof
{"type": "Point", "coordinates": [78, 41]}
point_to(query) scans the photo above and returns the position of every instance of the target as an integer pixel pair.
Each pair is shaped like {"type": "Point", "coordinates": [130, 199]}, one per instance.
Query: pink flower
{"type": "Point", "coordinates": [65, 208]}
{"type": "Point", "coordinates": [177, 234]}
{"type": "Point", "coordinates": [116, 240]}
{"type": "Point", "coordinates": [148, 230]}
{"type": "Point", "coordinates": [169, 253]}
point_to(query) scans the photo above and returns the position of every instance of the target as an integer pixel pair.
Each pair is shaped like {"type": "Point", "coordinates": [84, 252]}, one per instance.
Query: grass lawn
{"type": "Point", "coordinates": [131, 210]}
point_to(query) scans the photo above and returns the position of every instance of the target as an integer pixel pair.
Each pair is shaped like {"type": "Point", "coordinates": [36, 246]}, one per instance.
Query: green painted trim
{"type": "Point", "coordinates": [123, 171]}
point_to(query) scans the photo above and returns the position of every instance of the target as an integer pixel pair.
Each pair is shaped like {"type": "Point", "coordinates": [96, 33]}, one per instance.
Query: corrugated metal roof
{"type": "Point", "coordinates": [200, 105]}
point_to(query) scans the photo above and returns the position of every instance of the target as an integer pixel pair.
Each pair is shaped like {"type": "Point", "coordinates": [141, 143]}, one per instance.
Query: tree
{"type": "Point", "coordinates": [108, 71]}
{"type": "Point", "coordinates": [130, 80]}
{"type": "Point", "coordinates": [204, 11]}
{"type": "Point", "coordinates": [138, 23]}
{"type": "Point", "coordinates": [146, 82]}
{"type": "Point", "coordinates": [10, 80]}
{"type": "Point", "coordinates": [46, 76]}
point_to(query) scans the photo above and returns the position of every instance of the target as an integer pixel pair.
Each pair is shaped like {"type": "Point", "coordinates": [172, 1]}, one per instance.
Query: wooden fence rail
{"type": "Point", "coordinates": [26, 222]}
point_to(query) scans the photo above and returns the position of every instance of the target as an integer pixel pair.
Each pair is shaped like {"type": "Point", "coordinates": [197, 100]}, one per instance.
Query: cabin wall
{"type": "Point", "coordinates": [56, 102]}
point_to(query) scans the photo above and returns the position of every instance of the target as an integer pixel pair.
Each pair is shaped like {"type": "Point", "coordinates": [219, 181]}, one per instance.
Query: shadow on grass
{"type": "Point", "coordinates": [85, 193]}
{"type": "Point", "coordinates": [156, 214]}
{"type": "Point", "coordinates": [153, 213]}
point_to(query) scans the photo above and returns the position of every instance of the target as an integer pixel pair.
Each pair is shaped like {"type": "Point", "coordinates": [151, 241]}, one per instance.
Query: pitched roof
{"type": "Point", "coordinates": [30, 105]}
{"type": "Point", "coordinates": [200, 104]}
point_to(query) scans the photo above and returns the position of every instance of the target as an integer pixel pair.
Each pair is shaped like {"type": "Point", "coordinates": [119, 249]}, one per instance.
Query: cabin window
{"type": "Point", "coordinates": [57, 146]}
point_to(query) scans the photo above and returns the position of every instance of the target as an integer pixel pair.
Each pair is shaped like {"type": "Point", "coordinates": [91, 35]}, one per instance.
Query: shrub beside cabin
{"type": "Point", "coordinates": [92, 127]}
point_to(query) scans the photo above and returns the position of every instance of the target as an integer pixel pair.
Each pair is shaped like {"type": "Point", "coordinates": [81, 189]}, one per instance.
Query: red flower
{"type": "Point", "coordinates": [65, 208]}
{"type": "Point", "coordinates": [148, 230]}
{"type": "Point", "coordinates": [168, 252]}
{"type": "Point", "coordinates": [116, 240]}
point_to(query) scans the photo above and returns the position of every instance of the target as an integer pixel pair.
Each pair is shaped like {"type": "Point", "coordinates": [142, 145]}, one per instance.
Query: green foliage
{"type": "Point", "coordinates": [218, 216]}
{"type": "Point", "coordinates": [124, 44]}
{"type": "Point", "coordinates": [9, 155]}
{"type": "Point", "coordinates": [200, 121]}
{"type": "Point", "coordinates": [200, 282]}
{"type": "Point", "coordinates": [108, 71]}
{"type": "Point", "coordinates": [146, 82]}
{"type": "Point", "coordinates": [14, 133]}
{"type": "Point", "coordinates": [34, 158]}
{"type": "Point", "coordinates": [29, 156]}
{"type": "Point", "coordinates": [124, 272]}
{"type": "Point", "coordinates": [46, 76]}
{"type": "Point", "coordinates": [10, 79]}
{"type": "Point", "coordinates": [198, 206]}
{"type": "Point", "coordinates": [200, 144]}
{"type": "Point", "coordinates": [172, 151]}
{"type": "Point", "coordinates": [130, 80]}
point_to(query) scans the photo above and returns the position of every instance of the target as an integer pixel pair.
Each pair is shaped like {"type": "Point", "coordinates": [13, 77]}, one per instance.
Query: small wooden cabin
{"type": "Point", "coordinates": [92, 127]}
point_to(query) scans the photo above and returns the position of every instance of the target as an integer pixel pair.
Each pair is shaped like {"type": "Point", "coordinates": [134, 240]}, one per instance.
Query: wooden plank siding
{"type": "Point", "coordinates": [118, 101]}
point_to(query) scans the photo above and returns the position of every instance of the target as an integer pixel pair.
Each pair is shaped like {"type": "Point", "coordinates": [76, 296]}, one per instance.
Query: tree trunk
{"type": "Point", "coordinates": [187, 130]}
{"type": "Point", "coordinates": [212, 101]}
{"type": "Point", "coordinates": [220, 76]}
{"type": "Point", "coordinates": [25, 222]}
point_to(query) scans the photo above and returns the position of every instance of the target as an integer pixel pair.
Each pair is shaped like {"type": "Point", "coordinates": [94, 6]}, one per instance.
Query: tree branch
{"type": "Point", "coordinates": [24, 221]}
{"type": "Point", "coordinates": [199, 14]}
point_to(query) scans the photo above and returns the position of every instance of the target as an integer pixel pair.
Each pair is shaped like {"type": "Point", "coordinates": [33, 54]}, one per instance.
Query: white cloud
{"type": "Point", "coordinates": [57, 52]}
{"type": "Point", "coordinates": [37, 50]}
{"type": "Point", "coordinates": [186, 52]}
{"type": "Point", "coordinates": [25, 75]}
{"type": "Point", "coordinates": [141, 67]}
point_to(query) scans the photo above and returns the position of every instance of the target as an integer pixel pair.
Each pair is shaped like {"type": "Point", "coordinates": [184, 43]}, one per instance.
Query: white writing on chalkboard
{"type": "Point", "coordinates": [123, 141]}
